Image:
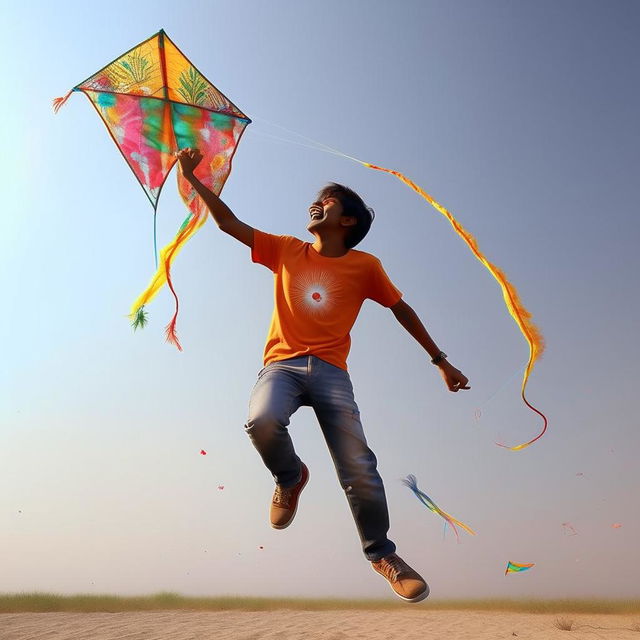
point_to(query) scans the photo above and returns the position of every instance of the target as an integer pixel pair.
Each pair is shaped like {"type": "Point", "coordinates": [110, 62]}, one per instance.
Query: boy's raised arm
{"type": "Point", "coordinates": [224, 217]}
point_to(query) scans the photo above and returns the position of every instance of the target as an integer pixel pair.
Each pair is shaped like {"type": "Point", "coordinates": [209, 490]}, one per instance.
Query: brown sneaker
{"type": "Point", "coordinates": [406, 583]}
{"type": "Point", "coordinates": [284, 503]}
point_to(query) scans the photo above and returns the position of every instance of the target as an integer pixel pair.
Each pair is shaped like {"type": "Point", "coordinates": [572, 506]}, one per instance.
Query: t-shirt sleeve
{"type": "Point", "coordinates": [381, 289]}
{"type": "Point", "coordinates": [267, 249]}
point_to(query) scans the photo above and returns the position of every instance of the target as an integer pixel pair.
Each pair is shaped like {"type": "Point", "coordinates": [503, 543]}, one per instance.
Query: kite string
{"type": "Point", "coordinates": [264, 134]}
{"type": "Point", "coordinates": [315, 144]}
{"type": "Point", "coordinates": [499, 389]}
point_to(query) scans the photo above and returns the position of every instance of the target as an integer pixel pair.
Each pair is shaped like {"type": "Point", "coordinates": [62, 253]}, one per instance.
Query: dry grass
{"type": "Point", "coordinates": [46, 602]}
{"type": "Point", "coordinates": [564, 624]}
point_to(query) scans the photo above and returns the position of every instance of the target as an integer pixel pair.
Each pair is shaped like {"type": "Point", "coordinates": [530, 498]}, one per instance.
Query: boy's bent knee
{"type": "Point", "coordinates": [264, 425]}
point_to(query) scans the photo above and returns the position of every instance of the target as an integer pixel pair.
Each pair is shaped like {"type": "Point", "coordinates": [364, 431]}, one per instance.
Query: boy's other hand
{"type": "Point", "coordinates": [453, 378]}
{"type": "Point", "coordinates": [189, 159]}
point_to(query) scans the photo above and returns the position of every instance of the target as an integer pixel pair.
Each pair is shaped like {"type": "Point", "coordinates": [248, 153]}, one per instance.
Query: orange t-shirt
{"type": "Point", "coordinates": [317, 299]}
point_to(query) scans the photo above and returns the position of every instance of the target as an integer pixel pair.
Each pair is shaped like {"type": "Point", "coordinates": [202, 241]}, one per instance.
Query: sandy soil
{"type": "Point", "coordinates": [413, 624]}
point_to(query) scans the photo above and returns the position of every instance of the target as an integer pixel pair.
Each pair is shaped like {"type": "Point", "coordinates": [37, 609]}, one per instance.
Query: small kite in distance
{"type": "Point", "coordinates": [514, 567]}
{"type": "Point", "coordinates": [569, 529]}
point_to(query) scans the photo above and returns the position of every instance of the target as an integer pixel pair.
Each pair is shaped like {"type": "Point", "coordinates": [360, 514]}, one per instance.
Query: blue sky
{"type": "Point", "coordinates": [519, 117]}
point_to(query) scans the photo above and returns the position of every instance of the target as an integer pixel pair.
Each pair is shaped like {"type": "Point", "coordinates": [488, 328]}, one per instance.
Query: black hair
{"type": "Point", "coordinates": [352, 205]}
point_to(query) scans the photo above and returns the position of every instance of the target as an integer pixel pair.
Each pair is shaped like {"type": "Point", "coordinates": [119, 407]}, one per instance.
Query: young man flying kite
{"type": "Point", "coordinates": [319, 289]}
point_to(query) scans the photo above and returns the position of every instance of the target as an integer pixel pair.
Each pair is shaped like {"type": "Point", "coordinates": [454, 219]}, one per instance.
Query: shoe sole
{"type": "Point", "coordinates": [284, 526]}
{"type": "Point", "coordinates": [419, 598]}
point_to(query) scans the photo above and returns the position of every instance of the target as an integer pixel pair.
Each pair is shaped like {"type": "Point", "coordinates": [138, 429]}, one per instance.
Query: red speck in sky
{"type": "Point", "coordinates": [316, 296]}
{"type": "Point", "coordinates": [203, 452]}
{"type": "Point", "coordinates": [616, 525]}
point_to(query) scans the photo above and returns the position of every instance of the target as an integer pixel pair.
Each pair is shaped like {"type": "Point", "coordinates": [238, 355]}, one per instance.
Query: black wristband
{"type": "Point", "coordinates": [439, 358]}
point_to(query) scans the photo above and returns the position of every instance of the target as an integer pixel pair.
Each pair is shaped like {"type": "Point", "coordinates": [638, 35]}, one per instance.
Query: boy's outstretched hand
{"type": "Point", "coordinates": [189, 159]}
{"type": "Point", "coordinates": [453, 378]}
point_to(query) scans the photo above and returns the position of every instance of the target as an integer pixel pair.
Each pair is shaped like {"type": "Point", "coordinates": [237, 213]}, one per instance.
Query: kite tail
{"type": "Point", "coordinates": [515, 307]}
{"type": "Point", "coordinates": [58, 102]}
{"type": "Point", "coordinates": [411, 482]}
{"type": "Point", "coordinates": [163, 275]}
{"type": "Point", "coordinates": [544, 418]}
{"type": "Point", "coordinates": [196, 218]}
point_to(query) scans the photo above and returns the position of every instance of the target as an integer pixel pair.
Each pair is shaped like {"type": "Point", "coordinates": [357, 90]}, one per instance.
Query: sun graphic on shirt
{"type": "Point", "coordinates": [314, 292]}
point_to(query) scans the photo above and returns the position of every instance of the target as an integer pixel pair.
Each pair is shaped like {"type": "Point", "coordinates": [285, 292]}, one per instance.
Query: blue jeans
{"type": "Point", "coordinates": [287, 385]}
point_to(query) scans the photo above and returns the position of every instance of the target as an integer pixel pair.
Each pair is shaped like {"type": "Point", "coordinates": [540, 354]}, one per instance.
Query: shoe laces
{"type": "Point", "coordinates": [393, 566]}
{"type": "Point", "coordinates": [282, 496]}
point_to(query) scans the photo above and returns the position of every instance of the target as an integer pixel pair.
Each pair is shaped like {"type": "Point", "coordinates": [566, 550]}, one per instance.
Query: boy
{"type": "Point", "coordinates": [319, 289]}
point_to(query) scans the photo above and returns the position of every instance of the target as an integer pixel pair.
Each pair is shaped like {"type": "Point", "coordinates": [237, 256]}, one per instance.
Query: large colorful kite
{"type": "Point", "coordinates": [154, 102]}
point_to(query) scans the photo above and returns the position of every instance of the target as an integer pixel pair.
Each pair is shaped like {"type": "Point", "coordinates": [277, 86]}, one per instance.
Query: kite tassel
{"type": "Point", "coordinates": [140, 319]}
{"type": "Point", "coordinates": [411, 481]}
{"type": "Point", "coordinates": [170, 332]}
{"type": "Point", "coordinates": [58, 102]}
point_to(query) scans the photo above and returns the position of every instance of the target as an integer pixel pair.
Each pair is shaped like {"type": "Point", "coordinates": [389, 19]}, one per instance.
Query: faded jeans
{"type": "Point", "coordinates": [287, 385]}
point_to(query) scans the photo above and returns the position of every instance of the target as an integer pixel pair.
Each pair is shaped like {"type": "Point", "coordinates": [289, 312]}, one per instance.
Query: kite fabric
{"type": "Point", "coordinates": [411, 482]}
{"type": "Point", "coordinates": [154, 102]}
{"type": "Point", "coordinates": [514, 567]}
{"type": "Point", "coordinates": [512, 299]}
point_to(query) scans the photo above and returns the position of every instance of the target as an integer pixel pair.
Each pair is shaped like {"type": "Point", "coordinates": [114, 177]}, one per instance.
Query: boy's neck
{"type": "Point", "coordinates": [330, 247]}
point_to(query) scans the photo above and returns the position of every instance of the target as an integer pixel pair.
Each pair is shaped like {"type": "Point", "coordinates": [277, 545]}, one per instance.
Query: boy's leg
{"type": "Point", "coordinates": [277, 394]}
{"type": "Point", "coordinates": [331, 395]}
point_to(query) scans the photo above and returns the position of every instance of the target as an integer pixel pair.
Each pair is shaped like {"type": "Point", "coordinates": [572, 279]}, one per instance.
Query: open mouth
{"type": "Point", "coordinates": [316, 212]}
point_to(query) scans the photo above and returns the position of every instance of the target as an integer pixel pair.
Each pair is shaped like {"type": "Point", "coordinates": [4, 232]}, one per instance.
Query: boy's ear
{"type": "Point", "coordinates": [348, 221]}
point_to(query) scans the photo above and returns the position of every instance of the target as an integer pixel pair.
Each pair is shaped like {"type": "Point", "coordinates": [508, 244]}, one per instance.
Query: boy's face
{"type": "Point", "coordinates": [327, 214]}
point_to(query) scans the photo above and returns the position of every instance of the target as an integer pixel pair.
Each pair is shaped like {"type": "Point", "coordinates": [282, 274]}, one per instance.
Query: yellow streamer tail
{"type": "Point", "coordinates": [511, 298]}
{"type": "Point", "coordinates": [197, 217]}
